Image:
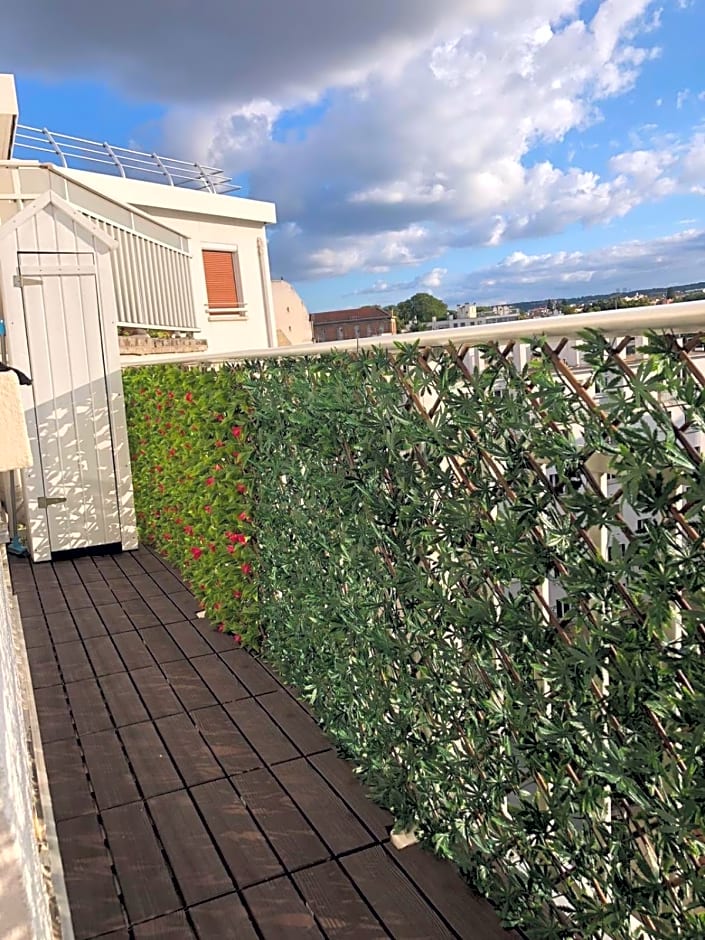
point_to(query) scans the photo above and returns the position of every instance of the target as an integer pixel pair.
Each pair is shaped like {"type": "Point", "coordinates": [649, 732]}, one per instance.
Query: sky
{"type": "Point", "coordinates": [485, 151]}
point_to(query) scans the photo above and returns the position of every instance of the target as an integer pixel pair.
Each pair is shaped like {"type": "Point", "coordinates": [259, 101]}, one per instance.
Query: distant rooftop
{"type": "Point", "coordinates": [80, 154]}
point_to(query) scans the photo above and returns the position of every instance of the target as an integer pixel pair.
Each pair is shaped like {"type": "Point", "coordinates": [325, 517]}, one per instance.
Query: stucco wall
{"type": "Point", "coordinates": [291, 314]}
{"type": "Point", "coordinates": [24, 909]}
{"type": "Point", "coordinates": [226, 333]}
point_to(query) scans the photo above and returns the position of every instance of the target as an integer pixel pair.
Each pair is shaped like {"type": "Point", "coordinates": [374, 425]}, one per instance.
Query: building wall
{"type": "Point", "coordinates": [212, 221]}
{"type": "Point", "coordinates": [330, 332]}
{"type": "Point", "coordinates": [291, 315]}
{"type": "Point", "coordinates": [24, 908]}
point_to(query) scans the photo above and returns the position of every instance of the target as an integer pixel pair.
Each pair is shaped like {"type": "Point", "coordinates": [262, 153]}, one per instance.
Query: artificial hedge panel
{"type": "Point", "coordinates": [411, 511]}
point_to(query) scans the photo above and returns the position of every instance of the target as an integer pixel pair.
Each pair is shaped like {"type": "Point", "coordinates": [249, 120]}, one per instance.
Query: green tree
{"type": "Point", "coordinates": [421, 308]}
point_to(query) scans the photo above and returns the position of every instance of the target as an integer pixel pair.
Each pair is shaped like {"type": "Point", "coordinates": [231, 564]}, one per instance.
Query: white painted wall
{"type": "Point", "coordinates": [24, 908]}
{"type": "Point", "coordinates": [291, 315]}
{"type": "Point", "coordinates": [213, 221]}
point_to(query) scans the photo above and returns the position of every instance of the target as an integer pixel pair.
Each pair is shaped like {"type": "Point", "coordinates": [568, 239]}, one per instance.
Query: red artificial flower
{"type": "Point", "coordinates": [219, 444]}
{"type": "Point", "coordinates": [217, 605]}
{"type": "Point", "coordinates": [237, 638]}
{"type": "Point", "coordinates": [236, 432]}
{"type": "Point", "coordinates": [211, 545]}
{"type": "Point", "coordinates": [196, 552]}
{"type": "Point", "coordinates": [167, 536]}
{"type": "Point", "coordinates": [170, 395]}
{"type": "Point", "coordinates": [241, 488]}
{"type": "Point", "coordinates": [172, 452]}
{"type": "Point", "coordinates": [230, 548]}
{"type": "Point", "coordinates": [208, 509]}
{"type": "Point", "coordinates": [246, 568]}
{"type": "Point", "coordinates": [188, 529]}
{"type": "Point", "coordinates": [237, 595]}
{"type": "Point", "coordinates": [220, 417]}
{"type": "Point", "coordinates": [189, 396]}
{"type": "Point", "coordinates": [158, 392]}
{"type": "Point", "coordinates": [210, 481]}
{"type": "Point", "coordinates": [243, 517]}
{"type": "Point", "coordinates": [221, 628]}
{"type": "Point", "coordinates": [217, 467]}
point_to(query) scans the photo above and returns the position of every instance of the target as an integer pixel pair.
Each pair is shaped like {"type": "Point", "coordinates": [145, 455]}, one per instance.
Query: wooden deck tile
{"type": "Point", "coordinates": [188, 685]}
{"type": "Point", "coordinates": [331, 818]}
{"type": "Point", "coordinates": [160, 644]}
{"type": "Point", "coordinates": [140, 613]}
{"type": "Point", "coordinates": [189, 640]}
{"type": "Point", "coordinates": [76, 596]}
{"type": "Point", "coordinates": [30, 605]}
{"type": "Point", "coordinates": [337, 906]}
{"type": "Point", "coordinates": [395, 900]}
{"type": "Point", "coordinates": [123, 701]}
{"type": "Point", "coordinates": [131, 648]}
{"type": "Point", "coordinates": [172, 927]}
{"type": "Point", "coordinates": [62, 627]}
{"type": "Point", "coordinates": [156, 692]}
{"type": "Point", "coordinates": [103, 655]}
{"type": "Point", "coordinates": [53, 601]}
{"type": "Point", "coordinates": [145, 880]}
{"type": "Point", "coordinates": [194, 860]}
{"type": "Point", "coordinates": [123, 590]}
{"type": "Point", "coordinates": [68, 783]}
{"type": "Point", "coordinates": [280, 913]}
{"type": "Point", "coordinates": [115, 618]}
{"type": "Point", "coordinates": [227, 743]}
{"type": "Point", "coordinates": [146, 587]}
{"type": "Point", "coordinates": [186, 602]}
{"type": "Point", "coordinates": [100, 593]}
{"type": "Point", "coordinates": [95, 907]}
{"type": "Point", "coordinates": [339, 774]}
{"type": "Point", "coordinates": [252, 674]}
{"type": "Point", "coordinates": [219, 679]}
{"type": "Point", "coordinates": [218, 642]}
{"type": "Point", "coordinates": [150, 759]}
{"type": "Point", "coordinates": [89, 623]}
{"type": "Point", "coordinates": [89, 711]}
{"type": "Point", "coordinates": [298, 724]}
{"type": "Point", "coordinates": [188, 750]}
{"type": "Point", "coordinates": [168, 582]}
{"type": "Point", "coordinates": [293, 839]}
{"type": "Point", "coordinates": [87, 569]}
{"type": "Point", "coordinates": [53, 714]}
{"type": "Point", "coordinates": [73, 661]}
{"type": "Point", "coordinates": [244, 848]}
{"type": "Point", "coordinates": [36, 632]}
{"type": "Point", "coordinates": [164, 609]}
{"type": "Point", "coordinates": [222, 917]}
{"type": "Point", "coordinates": [43, 667]}
{"type": "Point", "coordinates": [109, 771]}
{"type": "Point", "coordinates": [262, 733]}
{"type": "Point", "coordinates": [470, 916]}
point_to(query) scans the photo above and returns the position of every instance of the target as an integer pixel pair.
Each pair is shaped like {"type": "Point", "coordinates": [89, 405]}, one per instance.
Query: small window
{"type": "Point", "coordinates": [563, 609]}
{"type": "Point", "coordinates": [340, 332]}
{"type": "Point", "coordinates": [221, 282]}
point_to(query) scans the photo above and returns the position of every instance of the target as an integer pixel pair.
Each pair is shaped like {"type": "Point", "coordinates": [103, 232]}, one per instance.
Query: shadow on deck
{"type": "Point", "coordinates": [193, 795]}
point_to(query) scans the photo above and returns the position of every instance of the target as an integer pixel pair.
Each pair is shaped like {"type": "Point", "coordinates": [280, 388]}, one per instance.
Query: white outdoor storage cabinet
{"type": "Point", "coordinates": [58, 303]}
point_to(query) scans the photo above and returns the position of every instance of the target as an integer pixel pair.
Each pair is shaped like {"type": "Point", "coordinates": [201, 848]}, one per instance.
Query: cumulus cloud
{"type": "Point", "coordinates": [437, 152]}
{"type": "Point", "coordinates": [224, 50]}
{"type": "Point", "coordinates": [629, 265]}
{"type": "Point", "coordinates": [428, 116]}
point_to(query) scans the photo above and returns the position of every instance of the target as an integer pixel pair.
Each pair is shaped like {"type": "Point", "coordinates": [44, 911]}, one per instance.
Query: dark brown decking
{"type": "Point", "coordinates": [193, 795]}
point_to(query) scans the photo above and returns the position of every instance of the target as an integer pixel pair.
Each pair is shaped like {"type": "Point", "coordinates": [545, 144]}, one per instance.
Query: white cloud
{"type": "Point", "coordinates": [682, 97]}
{"type": "Point", "coordinates": [443, 144]}
{"type": "Point", "coordinates": [630, 265]}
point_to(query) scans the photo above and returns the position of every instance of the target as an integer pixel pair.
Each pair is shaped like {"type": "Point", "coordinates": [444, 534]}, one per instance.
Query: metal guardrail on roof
{"type": "Point", "coordinates": [79, 153]}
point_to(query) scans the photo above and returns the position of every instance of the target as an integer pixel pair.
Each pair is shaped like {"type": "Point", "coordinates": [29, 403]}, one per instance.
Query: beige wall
{"type": "Point", "coordinates": [291, 315]}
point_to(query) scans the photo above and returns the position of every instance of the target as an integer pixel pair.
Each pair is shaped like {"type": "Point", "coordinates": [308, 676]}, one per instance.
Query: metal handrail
{"type": "Point", "coordinates": [69, 150]}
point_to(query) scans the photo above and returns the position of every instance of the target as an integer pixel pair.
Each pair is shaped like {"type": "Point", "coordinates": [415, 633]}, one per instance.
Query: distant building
{"type": "Point", "coordinates": [293, 321]}
{"type": "Point", "coordinates": [358, 323]}
{"type": "Point", "coordinates": [466, 311]}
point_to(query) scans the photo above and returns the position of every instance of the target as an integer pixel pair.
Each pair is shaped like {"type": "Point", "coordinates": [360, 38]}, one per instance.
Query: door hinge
{"type": "Point", "coordinates": [45, 501]}
{"type": "Point", "coordinates": [23, 280]}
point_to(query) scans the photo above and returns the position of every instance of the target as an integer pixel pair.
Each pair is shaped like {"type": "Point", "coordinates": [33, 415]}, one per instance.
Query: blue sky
{"type": "Point", "coordinates": [460, 147]}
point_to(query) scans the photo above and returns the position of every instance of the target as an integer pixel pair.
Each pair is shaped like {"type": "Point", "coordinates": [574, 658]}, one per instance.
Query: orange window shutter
{"type": "Point", "coordinates": [221, 286]}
